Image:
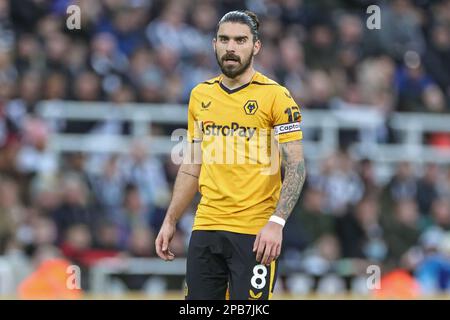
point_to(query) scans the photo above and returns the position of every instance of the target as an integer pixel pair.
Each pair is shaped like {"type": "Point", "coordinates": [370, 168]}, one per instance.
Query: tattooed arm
{"type": "Point", "coordinates": [294, 177]}
{"type": "Point", "coordinates": [268, 242]}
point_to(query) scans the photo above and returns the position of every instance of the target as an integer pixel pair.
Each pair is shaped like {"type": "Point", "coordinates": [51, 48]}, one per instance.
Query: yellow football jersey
{"type": "Point", "coordinates": [240, 178]}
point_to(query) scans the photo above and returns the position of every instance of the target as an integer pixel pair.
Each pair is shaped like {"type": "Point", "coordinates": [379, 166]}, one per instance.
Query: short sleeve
{"type": "Point", "coordinates": [194, 127]}
{"type": "Point", "coordinates": [286, 117]}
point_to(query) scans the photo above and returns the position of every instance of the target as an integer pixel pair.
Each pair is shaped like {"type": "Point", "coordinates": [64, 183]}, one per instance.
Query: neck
{"type": "Point", "coordinates": [233, 83]}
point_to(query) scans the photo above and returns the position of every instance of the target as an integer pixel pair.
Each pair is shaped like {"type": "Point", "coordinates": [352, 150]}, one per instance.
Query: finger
{"type": "Point", "coordinates": [278, 251]}
{"type": "Point", "coordinates": [170, 256]}
{"type": "Point", "coordinates": [273, 254]}
{"type": "Point", "coordinates": [268, 259]}
{"type": "Point", "coordinates": [256, 243]}
{"type": "Point", "coordinates": [266, 254]}
{"type": "Point", "coordinates": [165, 244]}
{"type": "Point", "coordinates": [162, 248]}
{"type": "Point", "coordinates": [158, 245]}
{"type": "Point", "coordinates": [260, 251]}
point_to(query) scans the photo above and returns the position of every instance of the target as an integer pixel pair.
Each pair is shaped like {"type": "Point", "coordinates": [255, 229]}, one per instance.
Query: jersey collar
{"type": "Point", "coordinates": [230, 91]}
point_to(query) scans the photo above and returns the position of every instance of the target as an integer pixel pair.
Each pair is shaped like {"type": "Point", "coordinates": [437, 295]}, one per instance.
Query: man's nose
{"type": "Point", "coordinates": [231, 46]}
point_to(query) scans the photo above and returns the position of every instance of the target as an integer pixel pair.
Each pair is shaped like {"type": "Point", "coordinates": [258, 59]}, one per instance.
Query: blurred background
{"type": "Point", "coordinates": [86, 118]}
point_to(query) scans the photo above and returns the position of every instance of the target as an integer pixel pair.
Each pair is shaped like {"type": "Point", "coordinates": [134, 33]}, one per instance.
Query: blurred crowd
{"type": "Point", "coordinates": [345, 222]}
{"type": "Point", "coordinates": [152, 51]}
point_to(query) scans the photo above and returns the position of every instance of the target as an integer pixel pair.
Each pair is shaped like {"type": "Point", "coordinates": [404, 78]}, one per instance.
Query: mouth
{"type": "Point", "coordinates": [231, 63]}
{"type": "Point", "coordinates": [231, 60]}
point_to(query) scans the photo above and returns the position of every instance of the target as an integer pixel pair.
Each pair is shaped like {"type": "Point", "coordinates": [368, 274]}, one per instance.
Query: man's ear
{"type": "Point", "coordinates": [256, 47]}
{"type": "Point", "coordinates": [214, 44]}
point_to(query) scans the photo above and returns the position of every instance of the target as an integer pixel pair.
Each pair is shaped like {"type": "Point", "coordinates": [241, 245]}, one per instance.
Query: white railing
{"type": "Point", "coordinates": [7, 283]}
{"type": "Point", "coordinates": [102, 279]}
{"type": "Point", "coordinates": [105, 279]}
{"type": "Point", "coordinates": [100, 273]}
{"type": "Point", "coordinates": [411, 127]}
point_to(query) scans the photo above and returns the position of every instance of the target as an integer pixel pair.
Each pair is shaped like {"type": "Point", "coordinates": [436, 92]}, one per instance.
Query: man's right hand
{"type": "Point", "coordinates": [163, 240]}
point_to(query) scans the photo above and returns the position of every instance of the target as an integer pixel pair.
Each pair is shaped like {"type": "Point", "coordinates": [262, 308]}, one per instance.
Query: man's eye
{"type": "Point", "coordinates": [240, 41]}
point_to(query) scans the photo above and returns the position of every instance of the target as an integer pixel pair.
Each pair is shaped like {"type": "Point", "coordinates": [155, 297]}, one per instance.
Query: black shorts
{"type": "Point", "coordinates": [222, 263]}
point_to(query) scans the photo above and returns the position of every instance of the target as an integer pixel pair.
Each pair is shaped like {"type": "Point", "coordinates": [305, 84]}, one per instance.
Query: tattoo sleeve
{"type": "Point", "coordinates": [294, 177]}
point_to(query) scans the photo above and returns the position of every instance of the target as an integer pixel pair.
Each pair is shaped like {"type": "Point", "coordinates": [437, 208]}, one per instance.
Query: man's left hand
{"type": "Point", "coordinates": [268, 243]}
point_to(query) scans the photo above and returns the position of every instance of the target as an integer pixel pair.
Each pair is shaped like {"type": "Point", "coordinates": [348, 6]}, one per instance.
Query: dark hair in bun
{"type": "Point", "coordinates": [245, 17]}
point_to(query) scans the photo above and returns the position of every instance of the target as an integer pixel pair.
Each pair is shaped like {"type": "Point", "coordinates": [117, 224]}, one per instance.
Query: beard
{"type": "Point", "coordinates": [234, 70]}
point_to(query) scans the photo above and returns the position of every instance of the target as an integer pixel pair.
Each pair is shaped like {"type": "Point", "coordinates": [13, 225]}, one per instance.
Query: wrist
{"type": "Point", "coordinates": [170, 220]}
{"type": "Point", "coordinates": [277, 220]}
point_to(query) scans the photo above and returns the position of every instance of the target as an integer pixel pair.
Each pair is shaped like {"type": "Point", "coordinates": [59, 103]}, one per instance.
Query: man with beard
{"type": "Point", "coordinates": [238, 227]}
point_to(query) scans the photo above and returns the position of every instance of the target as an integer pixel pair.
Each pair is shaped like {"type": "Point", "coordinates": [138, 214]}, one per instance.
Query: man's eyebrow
{"type": "Point", "coordinates": [228, 37]}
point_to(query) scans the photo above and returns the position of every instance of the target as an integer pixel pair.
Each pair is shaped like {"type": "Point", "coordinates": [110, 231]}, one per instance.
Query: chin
{"type": "Point", "coordinates": [231, 72]}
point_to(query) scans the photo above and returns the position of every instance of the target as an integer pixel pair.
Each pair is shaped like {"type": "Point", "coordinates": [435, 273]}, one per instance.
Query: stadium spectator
{"type": "Point", "coordinates": [402, 232]}
{"type": "Point", "coordinates": [403, 185]}
{"type": "Point", "coordinates": [74, 208]}
{"type": "Point", "coordinates": [361, 232]}
{"type": "Point", "coordinates": [427, 188]}
{"type": "Point", "coordinates": [309, 220]}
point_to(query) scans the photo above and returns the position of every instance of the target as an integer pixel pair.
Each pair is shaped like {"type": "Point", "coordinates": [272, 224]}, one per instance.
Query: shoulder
{"type": "Point", "coordinates": [211, 81]}
{"type": "Point", "coordinates": [263, 80]}
{"type": "Point", "coordinates": [205, 85]}
{"type": "Point", "coordinates": [272, 85]}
